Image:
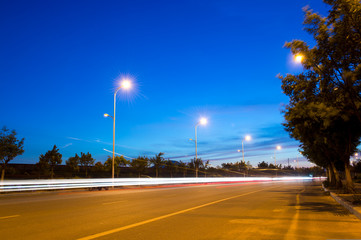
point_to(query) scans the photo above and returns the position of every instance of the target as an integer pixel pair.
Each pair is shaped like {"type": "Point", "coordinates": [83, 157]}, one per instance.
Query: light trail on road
{"type": "Point", "coordinates": [59, 184]}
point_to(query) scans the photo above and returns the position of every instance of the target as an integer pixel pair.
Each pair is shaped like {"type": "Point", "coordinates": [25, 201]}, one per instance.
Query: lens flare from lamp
{"type": "Point", "coordinates": [126, 84]}
{"type": "Point", "coordinates": [299, 58]}
{"type": "Point", "coordinates": [203, 121]}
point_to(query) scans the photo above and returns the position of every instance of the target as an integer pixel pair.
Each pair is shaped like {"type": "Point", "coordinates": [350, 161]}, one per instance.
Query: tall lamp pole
{"type": "Point", "coordinates": [202, 121]}
{"type": "Point", "coordinates": [126, 84]}
{"type": "Point", "coordinates": [247, 138]}
{"type": "Point", "coordinates": [277, 148]}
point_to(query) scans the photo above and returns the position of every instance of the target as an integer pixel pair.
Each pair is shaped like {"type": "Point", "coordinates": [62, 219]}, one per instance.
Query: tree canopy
{"type": "Point", "coordinates": [86, 160]}
{"type": "Point", "coordinates": [324, 112]}
{"type": "Point", "coordinates": [10, 147]}
{"type": "Point", "coordinates": [50, 160]}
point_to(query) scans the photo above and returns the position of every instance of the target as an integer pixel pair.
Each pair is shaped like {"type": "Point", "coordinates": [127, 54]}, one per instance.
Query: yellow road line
{"type": "Point", "coordinates": [293, 226]}
{"type": "Point", "coordinates": [12, 216]}
{"type": "Point", "coordinates": [165, 216]}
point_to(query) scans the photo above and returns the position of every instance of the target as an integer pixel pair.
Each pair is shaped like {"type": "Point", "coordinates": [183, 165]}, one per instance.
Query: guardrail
{"type": "Point", "coordinates": [59, 184]}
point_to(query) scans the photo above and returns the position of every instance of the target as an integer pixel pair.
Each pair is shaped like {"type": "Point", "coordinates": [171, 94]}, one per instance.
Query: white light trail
{"type": "Point", "coordinates": [58, 184]}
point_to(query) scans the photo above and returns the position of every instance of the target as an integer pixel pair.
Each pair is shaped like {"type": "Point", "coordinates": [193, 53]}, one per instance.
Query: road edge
{"type": "Point", "coordinates": [345, 204]}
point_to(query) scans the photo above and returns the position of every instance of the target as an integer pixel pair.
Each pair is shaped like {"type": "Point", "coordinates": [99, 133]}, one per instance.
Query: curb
{"type": "Point", "coordinates": [345, 204]}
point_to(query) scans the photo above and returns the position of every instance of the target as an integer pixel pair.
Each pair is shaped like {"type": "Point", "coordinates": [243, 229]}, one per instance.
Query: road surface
{"type": "Point", "coordinates": [272, 210]}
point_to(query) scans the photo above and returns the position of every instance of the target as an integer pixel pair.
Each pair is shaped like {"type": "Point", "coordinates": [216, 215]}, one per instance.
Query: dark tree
{"type": "Point", "coordinates": [98, 167]}
{"type": "Point", "coordinates": [73, 163]}
{"type": "Point", "coordinates": [326, 95]}
{"type": "Point", "coordinates": [86, 160]}
{"type": "Point", "coordinates": [263, 164]}
{"type": "Point", "coordinates": [183, 168]}
{"type": "Point", "coordinates": [119, 162]}
{"type": "Point", "coordinates": [51, 159]}
{"type": "Point", "coordinates": [139, 165]}
{"type": "Point", "coordinates": [10, 147]}
{"type": "Point", "coordinates": [196, 163]}
{"type": "Point", "coordinates": [171, 167]}
{"type": "Point", "coordinates": [157, 162]}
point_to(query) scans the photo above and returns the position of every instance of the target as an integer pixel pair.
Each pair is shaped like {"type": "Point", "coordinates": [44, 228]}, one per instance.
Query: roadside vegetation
{"type": "Point", "coordinates": [324, 112]}
{"type": "Point", "coordinates": [83, 165]}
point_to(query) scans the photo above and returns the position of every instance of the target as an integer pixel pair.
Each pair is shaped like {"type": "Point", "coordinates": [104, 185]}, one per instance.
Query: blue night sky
{"type": "Point", "coordinates": [60, 62]}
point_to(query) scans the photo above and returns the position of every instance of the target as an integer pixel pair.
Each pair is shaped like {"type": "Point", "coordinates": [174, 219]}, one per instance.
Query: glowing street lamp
{"type": "Point", "coordinates": [202, 121]}
{"type": "Point", "coordinates": [125, 84]}
{"type": "Point", "coordinates": [247, 138]}
{"type": "Point", "coordinates": [298, 58]}
{"type": "Point", "coordinates": [277, 148]}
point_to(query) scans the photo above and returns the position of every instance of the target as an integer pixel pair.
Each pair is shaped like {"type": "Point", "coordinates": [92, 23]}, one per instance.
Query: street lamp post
{"type": "Point", "coordinates": [202, 121]}
{"type": "Point", "coordinates": [125, 84]}
{"type": "Point", "coordinates": [247, 138]}
{"type": "Point", "coordinates": [277, 148]}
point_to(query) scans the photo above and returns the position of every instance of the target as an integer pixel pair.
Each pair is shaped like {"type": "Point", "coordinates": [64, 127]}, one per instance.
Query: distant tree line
{"type": "Point", "coordinates": [83, 165]}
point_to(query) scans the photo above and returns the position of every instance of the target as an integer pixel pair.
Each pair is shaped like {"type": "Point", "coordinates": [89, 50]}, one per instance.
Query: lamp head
{"type": "Point", "coordinates": [278, 147]}
{"type": "Point", "coordinates": [248, 138]}
{"type": "Point", "coordinates": [126, 84]}
{"type": "Point", "coordinates": [106, 115]}
{"type": "Point", "coordinates": [203, 121]}
{"type": "Point", "coordinates": [299, 58]}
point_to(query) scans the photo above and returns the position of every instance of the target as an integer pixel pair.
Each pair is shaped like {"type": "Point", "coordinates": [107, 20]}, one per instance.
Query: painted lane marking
{"type": "Point", "coordinates": [12, 216]}
{"type": "Point", "coordinates": [293, 226]}
{"type": "Point", "coordinates": [102, 234]}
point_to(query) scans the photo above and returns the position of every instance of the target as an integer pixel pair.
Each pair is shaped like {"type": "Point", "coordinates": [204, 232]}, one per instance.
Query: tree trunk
{"type": "Point", "coordinates": [331, 176]}
{"type": "Point", "coordinates": [349, 184]}
{"type": "Point", "coordinates": [156, 172]}
{"type": "Point", "coordinates": [2, 174]}
{"type": "Point", "coordinates": [337, 176]}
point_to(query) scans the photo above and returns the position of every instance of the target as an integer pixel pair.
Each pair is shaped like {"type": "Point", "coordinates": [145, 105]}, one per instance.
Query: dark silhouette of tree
{"type": "Point", "coordinates": [139, 165]}
{"type": "Point", "coordinates": [171, 167]}
{"type": "Point", "coordinates": [157, 162]}
{"type": "Point", "coordinates": [183, 168]}
{"type": "Point", "coordinates": [86, 160]}
{"type": "Point", "coordinates": [98, 167]}
{"type": "Point", "coordinates": [196, 163]}
{"type": "Point", "coordinates": [73, 163]}
{"type": "Point", "coordinates": [324, 112]}
{"type": "Point", "coordinates": [119, 162]}
{"type": "Point", "coordinates": [263, 164]}
{"type": "Point", "coordinates": [10, 147]}
{"type": "Point", "coordinates": [51, 159]}
{"type": "Point", "coordinates": [205, 167]}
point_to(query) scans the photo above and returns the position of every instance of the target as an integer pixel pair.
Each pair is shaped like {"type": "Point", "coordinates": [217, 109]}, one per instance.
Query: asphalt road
{"type": "Point", "coordinates": [286, 210]}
